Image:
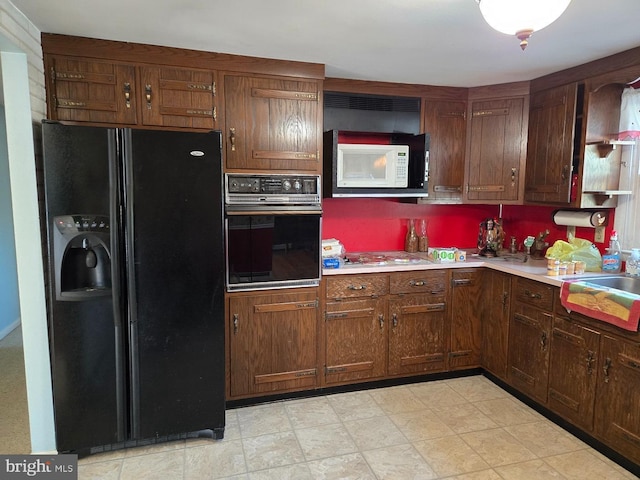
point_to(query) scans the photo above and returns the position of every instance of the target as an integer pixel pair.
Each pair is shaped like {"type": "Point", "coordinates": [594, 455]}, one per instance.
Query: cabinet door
{"type": "Point", "coordinates": [272, 342]}
{"type": "Point", "coordinates": [495, 322]}
{"type": "Point", "coordinates": [529, 337]}
{"type": "Point", "coordinates": [356, 340]}
{"type": "Point", "coordinates": [466, 338]}
{"type": "Point", "coordinates": [572, 371]}
{"type": "Point", "coordinates": [618, 397]}
{"type": "Point", "coordinates": [497, 147]}
{"type": "Point", "coordinates": [552, 116]}
{"type": "Point", "coordinates": [416, 333]}
{"type": "Point", "coordinates": [446, 123]}
{"type": "Point", "coordinates": [272, 124]}
{"type": "Point", "coordinates": [177, 97]}
{"type": "Point", "coordinates": [86, 90]}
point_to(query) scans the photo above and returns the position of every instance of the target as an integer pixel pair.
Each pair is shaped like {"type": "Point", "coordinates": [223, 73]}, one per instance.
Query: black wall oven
{"type": "Point", "coordinates": [273, 230]}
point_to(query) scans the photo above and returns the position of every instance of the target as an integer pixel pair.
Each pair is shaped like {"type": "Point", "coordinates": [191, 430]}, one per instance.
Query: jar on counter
{"type": "Point", "coordinates": [633, 263]}
{"type": "Point", "coordinates": [411, 241]}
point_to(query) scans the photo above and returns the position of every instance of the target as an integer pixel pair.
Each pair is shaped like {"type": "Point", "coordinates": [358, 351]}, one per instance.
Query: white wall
{"type": "Point", "coordinates": [24, 100]}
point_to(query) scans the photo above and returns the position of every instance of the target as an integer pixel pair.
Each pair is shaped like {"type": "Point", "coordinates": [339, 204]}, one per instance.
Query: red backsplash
{"type": "Point", "coordinates": [376, 224]}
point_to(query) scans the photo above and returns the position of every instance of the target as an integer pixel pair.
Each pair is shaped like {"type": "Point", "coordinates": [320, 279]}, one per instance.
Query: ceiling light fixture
{"type": "Point", "coordinates": [521, 17]}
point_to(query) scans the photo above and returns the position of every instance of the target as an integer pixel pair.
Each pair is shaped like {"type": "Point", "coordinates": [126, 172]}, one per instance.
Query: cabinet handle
{"type": "Point", "coordinates": [147, 95]}
{"type": "Point", "coordinates": [232, 138]}
{"type": "Point", "coordinates": [381, 320]}
{"type": "Point", "coordinates": [235, 323]}
{"type": "Point", "coordinates": [394, 317]}
{"type": "Point", "coordinates": [565, 173]}
{"type": "Point", "coordinates": [127, 94]}
{"type": "Point", "coordinates": [505, 297]}
{"type": "Point", "coordinates": [513, 176]}
{"type": "Point", "coordinates": [590, 359]}
{"type": "Point", "coordinates": [532, 295]}
{"type": "Point", "coordinates": [417, 283]}
{"type": "Point", "coordinates": [215, 114]}
{"type": "Point", "coordinates": [461, 282]}
{"type": "Point", "coordinates": [357, 287]}
{"type": "Point", "coordinates": [607, 366]}
{"type": "Point", "coordinates": [543, 341]}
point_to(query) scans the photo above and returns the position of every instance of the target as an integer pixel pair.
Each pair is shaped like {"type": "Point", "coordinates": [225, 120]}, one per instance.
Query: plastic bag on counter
{"type": "Point", "coordinates": [332, 253]}
{"type": "Point", "coordinates": [577, 249]}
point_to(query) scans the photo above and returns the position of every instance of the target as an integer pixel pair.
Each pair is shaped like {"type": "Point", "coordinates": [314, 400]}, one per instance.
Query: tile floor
{"type": "Point", "coordinates": [464, 429]}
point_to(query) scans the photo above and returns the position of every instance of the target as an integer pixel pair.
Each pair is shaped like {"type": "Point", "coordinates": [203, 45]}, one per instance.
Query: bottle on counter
{"type": "Point", "coordinates": [633, 264]}
{"type": "Point", "coordinates": [411, 241]}
{"type": "Point", "coordinates": [612, 260]}
{"type": "Point", "coordinates": [423, 240]}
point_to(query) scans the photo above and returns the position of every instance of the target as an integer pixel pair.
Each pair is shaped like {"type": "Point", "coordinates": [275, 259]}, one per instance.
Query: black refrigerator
{"type": "Point", "coordinates": [135, 285]}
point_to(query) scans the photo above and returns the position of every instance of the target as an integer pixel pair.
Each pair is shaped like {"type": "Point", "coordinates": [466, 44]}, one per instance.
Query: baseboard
{"type": "Point", "coordinates": [9, 328]}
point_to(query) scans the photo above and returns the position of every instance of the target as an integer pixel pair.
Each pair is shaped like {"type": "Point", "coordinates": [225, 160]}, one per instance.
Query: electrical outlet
{"type": "Point", "coordinates": [599, 236]}
{"type": "Point", "coordinates": [571, 232]}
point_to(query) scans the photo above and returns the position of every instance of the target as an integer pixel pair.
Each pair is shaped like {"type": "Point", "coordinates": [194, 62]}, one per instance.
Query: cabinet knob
{"type": "Point", "coordinates": [381, 320]}
{"type": "Point", "coordinates": [235, 323]}
{"type": "Point", "coordinates": [394, 319]}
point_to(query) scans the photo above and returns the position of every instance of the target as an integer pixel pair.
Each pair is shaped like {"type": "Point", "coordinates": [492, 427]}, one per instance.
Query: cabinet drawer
{"type": "Point", "coordinates": [432, 281]}
{"type": "Point", "coordinates": [534, 293]}
{"type": "Point", "coordinates": [350, 286]}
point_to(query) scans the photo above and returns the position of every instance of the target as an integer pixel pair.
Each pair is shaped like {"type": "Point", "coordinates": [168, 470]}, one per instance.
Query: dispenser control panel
{"type": "Point", "coordinates": [82, 223]}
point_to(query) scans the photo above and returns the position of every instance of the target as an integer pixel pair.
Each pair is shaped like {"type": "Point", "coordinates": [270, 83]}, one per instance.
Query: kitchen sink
{"type": "Point", "coordinates": [619, 282]}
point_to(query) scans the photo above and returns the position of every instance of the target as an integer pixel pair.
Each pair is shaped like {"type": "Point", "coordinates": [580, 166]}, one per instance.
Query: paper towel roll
{"type": "Point", "coordinates": [580, 219]}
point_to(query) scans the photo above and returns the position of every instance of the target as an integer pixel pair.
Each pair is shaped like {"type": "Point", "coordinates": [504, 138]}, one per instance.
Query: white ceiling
{"type": "Point", "coordinates": [432, 42]}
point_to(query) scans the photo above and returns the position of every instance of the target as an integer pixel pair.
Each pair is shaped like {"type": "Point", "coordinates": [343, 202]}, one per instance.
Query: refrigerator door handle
{"type": "Point", "coordinates": [118, 300]}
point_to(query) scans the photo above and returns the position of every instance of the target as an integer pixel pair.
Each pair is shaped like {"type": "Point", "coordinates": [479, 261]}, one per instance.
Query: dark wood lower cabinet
{"type": "Point", "coordinates": [465, 327]}
{"type": "Point", "coordinates": [529, 338]}
{"type": "Point", "coordinates": [618, 396]}
{"type": "Point", "coordinates": [355, 340]}
{"type": "Point", "coordinates": [417, 333]}
{"type": "Point", "coordinates": [495, 322]}
{"type": "Point", "coordinates": [272, 342]}
{"type": "Point", "coordinates": [573, 371]}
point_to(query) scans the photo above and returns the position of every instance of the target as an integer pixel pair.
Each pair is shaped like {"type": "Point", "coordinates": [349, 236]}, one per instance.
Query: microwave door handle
{"type": "Point", "coordinates": [426, 166]}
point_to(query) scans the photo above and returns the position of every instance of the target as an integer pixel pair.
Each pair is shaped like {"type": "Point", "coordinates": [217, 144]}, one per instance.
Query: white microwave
{"type": "Point", "coordinates": [372, 166]}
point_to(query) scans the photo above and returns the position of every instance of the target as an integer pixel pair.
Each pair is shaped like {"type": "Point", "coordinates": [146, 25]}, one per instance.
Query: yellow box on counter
{"type": "Point", "coordinates": [443, 255]}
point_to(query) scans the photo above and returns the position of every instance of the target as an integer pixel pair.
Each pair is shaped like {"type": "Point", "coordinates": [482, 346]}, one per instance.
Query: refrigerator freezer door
{"type": "Point", "coordinates": [176, 281]}
{"type": "Point", "coordinates": [85, 344]}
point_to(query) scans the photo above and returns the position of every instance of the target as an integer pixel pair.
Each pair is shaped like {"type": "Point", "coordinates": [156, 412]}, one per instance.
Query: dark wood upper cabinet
{"type": "Point", "coordinates": [552, 121]}
{"type": "Point", "coordinates": [446, 122]}
{"type": "Point", "coordinates": [178, 97]}
{"type": "Point", "coordinates": [272, 124]}
{"type": "Point", "coordinates": [89, 90]}
{"type": "Point", "coordinates": [496, 150]}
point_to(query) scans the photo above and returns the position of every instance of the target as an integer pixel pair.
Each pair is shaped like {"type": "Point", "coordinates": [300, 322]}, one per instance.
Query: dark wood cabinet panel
{"type": "Point", "coordinates": [355, 340]}
{"type": "Point", "coordinates": [178, 97]}
{"type": "Point", "coordinates": [552, 120]}
{"type": "Point", "coordinates": [496, 150]}
{"type": "Point", "coordinates": [573, 371]}
{"type": "Point", "coordinates": [417, 333]}
{"type": "Point", "coordinates": [465, 328]}
{"type": "Point", "coordinates": [496, 299]}
{"type": "Point", "coordinates": [272, 342]}
{"type": "Point", "coordinates": [88, 90]}
{"type": "Point", "coordinates": [272, 124]}
{"type": "Point", "coordinates": [529, 339]}
{"type": "Point", "coordinates": [446, 122]}
{"type": "Point", "coordinates": [618, 396]}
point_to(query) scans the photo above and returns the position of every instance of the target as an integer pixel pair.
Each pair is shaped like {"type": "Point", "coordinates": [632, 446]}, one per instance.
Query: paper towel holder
{"type": "Point", "coordinates": [581, 218]}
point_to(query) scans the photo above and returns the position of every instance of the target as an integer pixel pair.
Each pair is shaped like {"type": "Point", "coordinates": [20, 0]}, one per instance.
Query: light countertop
{"type": "Point", "coordinates": [533, 268]}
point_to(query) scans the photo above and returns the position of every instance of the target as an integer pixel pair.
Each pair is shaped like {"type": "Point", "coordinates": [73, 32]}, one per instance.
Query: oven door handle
{"type": "Point", "coordinates": [272, 210]}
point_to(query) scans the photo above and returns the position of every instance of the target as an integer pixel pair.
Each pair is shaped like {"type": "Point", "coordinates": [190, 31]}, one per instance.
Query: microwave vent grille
{"type": "Point", "coordinates": [375, 103]}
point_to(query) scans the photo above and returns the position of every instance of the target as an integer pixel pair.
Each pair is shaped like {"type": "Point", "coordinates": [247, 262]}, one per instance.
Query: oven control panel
{"type": "Point", "coordinates": [271, 189]}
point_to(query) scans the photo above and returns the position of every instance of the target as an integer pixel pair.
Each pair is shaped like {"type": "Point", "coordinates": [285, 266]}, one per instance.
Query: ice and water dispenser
{"type": "Point", "coordinates": [82, 256]}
